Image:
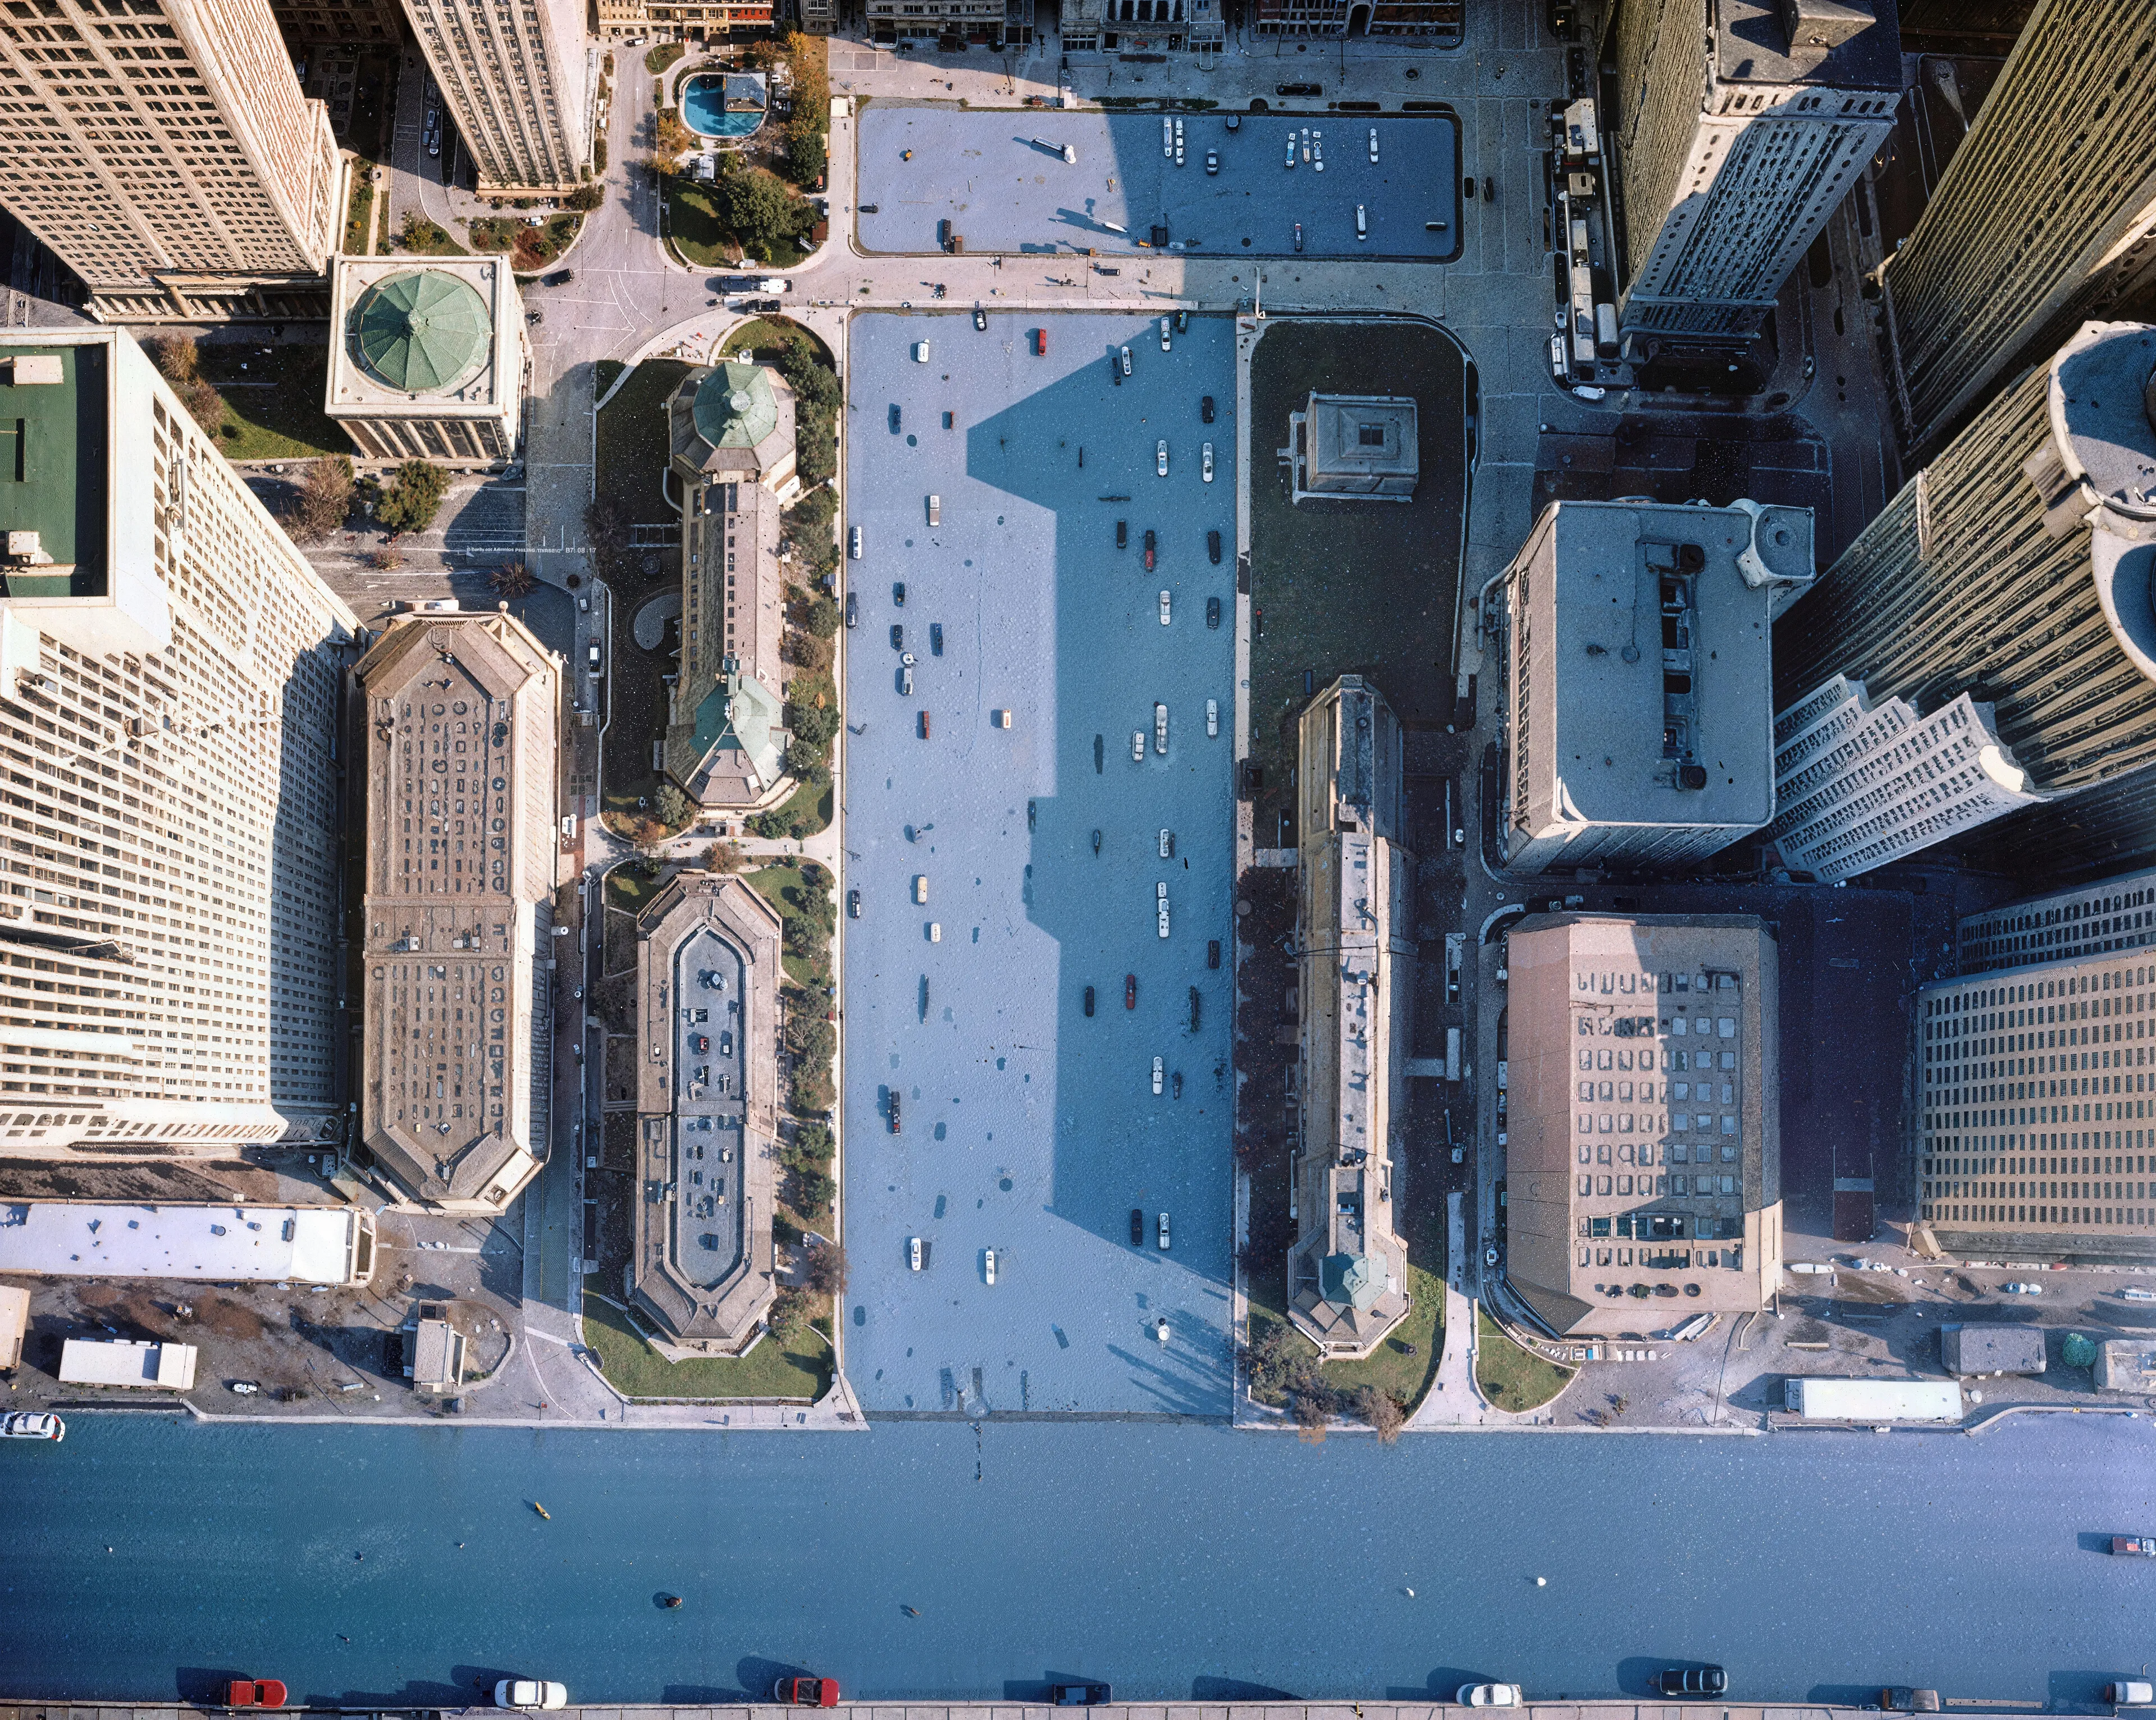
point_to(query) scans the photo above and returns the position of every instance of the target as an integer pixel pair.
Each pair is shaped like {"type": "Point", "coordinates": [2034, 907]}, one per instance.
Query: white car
{"type": "Point", "coordinates": [1127, 361]}
{"type": "Point", "coordinates": [920, 352]}
{"type": "Point", "coordinates": [1163, 1233]}
{"type": "Point", "coordinates": [1160, 457]}
{"type": "Point", "coordinates": [32, 1424]}
{"type": "Point", "coordinates": [913, 1253]}
{"type": "Point", "coordinates": [1588, 390]}
{"type": "Point", "coordinates": [1159, 1075]}
{"type": "Point", "coordinates": [1166, 328]}
{"type": "Point", "coordinates": [1490, 1695]}
{"type": "Point", "coordinates": [1317, 152]}
{"type": "Point", "coordinates": [1163, 609]}
{"type": "Point", "coordinates": [988, 1265]}
{"type": "Point", "coordinates": [1167, 135]}
{"type": "Point", "coordinates": [1810, 1269]}
{"type": "Point", "coordinates": [1212, 719]}
{"type": "Point", "coordinates": [2022, 1289]}
{"type": "Point", "coordinates": [1159, 728]}
{"type": "Point", "coordinates": [2138, 1296]}
{"type": "Point", "coordinates": [533, 1695]}
{"type": "Point", "coordinates": [1205, 462]}
{"type": "Point", "coordinates": [854, 543]}
{"type": "Point", "coordinates": [1373, 143]}
{"type": "Point", "coordinates": [1362, 222]}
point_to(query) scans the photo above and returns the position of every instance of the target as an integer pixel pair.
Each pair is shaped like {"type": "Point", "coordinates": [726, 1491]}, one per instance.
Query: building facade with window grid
{"type": "Point", "coordinates": [515, 76]}
{"type": "Point", "coordinates": [2037, 1140]}
{"type": "Point", "coordinates": [1644, 1157]}
{"type": "Point", "coordinates": [1734, 139]}
{"type": "Point", "coordinates": [462, 719]}
{"type": "Point", "coordinates": [345, 24]}
{"type": "Point", "coordinates": [163, 151]}
{"type": "Point", "coordinates": [170, 668]}
{"type": "Point", "coordinates": [2113, 915]}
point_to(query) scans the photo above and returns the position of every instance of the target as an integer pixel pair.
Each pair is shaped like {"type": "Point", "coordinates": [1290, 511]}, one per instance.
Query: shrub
{"type": "Point", "coordinates": [324, 500]}
{"type": "Point", "coordinates": [1385, 1412]}
{"type": "Point", "coordinates": [513, 579]}
{"type": "Point", "coordinates": [724, 857]}
{"type": "Point", "coordinates": [674, 807]}
{"type": "Point", "coordinates": [825, 1268]}
{"type": "Point", "coordinates": [177, 357]}
{"type": "Point", "coordinates": [790, 1311]}
{"type": "Point", "coordinates": [414, 497]}
{"type": "Point", "coordinates": [671, 137]}
{"type": "Point", "coordinates": [823, 618]}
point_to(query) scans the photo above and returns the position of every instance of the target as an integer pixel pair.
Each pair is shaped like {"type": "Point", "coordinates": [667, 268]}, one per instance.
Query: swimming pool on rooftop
{"type": "Point", "coordinates": [704, 106]}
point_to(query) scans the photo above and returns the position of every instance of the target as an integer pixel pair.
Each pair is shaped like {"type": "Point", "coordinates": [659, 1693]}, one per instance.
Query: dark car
{"type": "Point", "coordinates": [897, 636]}
{"type": "Point", "coordinates": [894, 1128]}
{"type": "Point", "coordinates": [1213, 612]}
{"type": "Point", "coordinates": [1489, 189]}
{"type": "Point", "coordinates": [1122, 534]}
{"type": "Point", "coordinates": [854, 903]}
{"type": "Point", "coordinates": [1213, 547]}
{"type": "Point", "coordinates": [1137, 1227]}
{"type": "Point", "coordinates": [1205, 409]}
{"type": "Point", "coordinates": [1298, 90]}
{"type": "Point", "coordinates": [1902, 1699]}
{"type": "Point", "coordinates": [897, 419]}
{"type": "Point", "coordinates": [1089, 1000]}
{"type": "Point", "coordinates": [1130, 991]}
{"type": "Point", "coordinates": [852, 610]}
{"type": "Point", "coordinates": [1692, 1680]}
{"type": "Point", "coordinates": [898, 593]}
{"type": "Point", "coordinates": [1149, 545]}
{"type": "Point", "coordinates": [1467, 188]}
{"type": "Point", "coordinates": [1183, 322]}
{"type": "Point", "coordinates": [1077, 1696]}
{"type": "Point", "coordinates": [560, 277]}
{"type": "Point", "coordinates": [935, 638]}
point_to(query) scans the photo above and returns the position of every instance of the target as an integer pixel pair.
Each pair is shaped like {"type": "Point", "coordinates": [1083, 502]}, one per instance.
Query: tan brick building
{"type": "Point", "coordinates": [518, 82]}
{"type": "Point", "coordinates": [430, 363]}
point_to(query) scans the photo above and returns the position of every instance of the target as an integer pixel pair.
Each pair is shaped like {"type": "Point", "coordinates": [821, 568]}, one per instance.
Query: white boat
{"type": "Point", "coordinates": [1160, 728]}
{"type": "Point", "coordinates": [1373, 143]}
{"type": "Point", "coordinates": [989, 1265]}
{"type": "Point", "coordinates": [1138, 746]}
{"type": "Point", "coordinates": [913, 1253]}
{"type": "Point", "coordinates": [1163, 609]}
{"type": "Point", "coordinates": [1159, 1074]}
{"type": "Point", "coordinates": [1212, 719]}
{"type": "Point", "coordinates": [1167, 135]}
{"type": "Point", "coordinates": [1205, 463]}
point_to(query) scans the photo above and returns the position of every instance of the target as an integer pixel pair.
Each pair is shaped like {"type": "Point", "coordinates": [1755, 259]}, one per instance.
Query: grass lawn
{"type": "Point", "coordinates": [1510, 1377]}
{"type": "Point", "coordinates": [664, 55]}
{"type": "Point", "coordinates": [770, 1370]}
{"type": "Point", "coordinates": [359, 218]}
{"type": "Point", "coordinates": [602, 375]}
{"type": "Point", "coordinates": [627, 888]}
{"type": "Point", "coordinates": [273, 409]}
{"type": "Point", "coordinates": [810, 803]}
{"type": "Point", "coordinates": [773, 883]}
{"type": "Point", "coordinates": [773, 336]}
{"type": "Point", "coordinates": [1392, 1369]}
{"type": "Point", "coordinates": [632, 455]}
{"type": "Point", "coordinates": [699, 234]}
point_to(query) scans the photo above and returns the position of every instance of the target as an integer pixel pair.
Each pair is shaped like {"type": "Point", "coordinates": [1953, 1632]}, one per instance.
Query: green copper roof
{"type": "Point", "coordinates": [1354, 1279]}
{"type": "Point", "coordinates": [422, 333]}
{"type": "Point", "coordinates": [734, 406]}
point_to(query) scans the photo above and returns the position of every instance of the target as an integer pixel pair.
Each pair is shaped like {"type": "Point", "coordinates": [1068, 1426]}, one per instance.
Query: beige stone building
{"type": "Point", "coordinates": [1131, 26]}
{"type": "Point", "coordinates": [2038, 1125]}
{"type": "Point", "coordinates": [170, 669]}
{"type": "Point", "coordinates": [1644, 1167]}
{"type": "Point", "coordinates": [708, 980]}
{"type": "Point", "coordinates": [517, 81]}
{"type": "Point", "coordinates": [165, 153]}
{"type": "Point", "coordinates": [701, 20]}
{"type": "Point", "coordinates": [429, 363]}
{"type": "Point", "coordinates": [1348, 1272]}
{"type": "Point", "coordinates": [730, 428]}
{"type": "Point", "coordinates": [345, 22]}
{"type": "Point", "coordinates": [462, 713]}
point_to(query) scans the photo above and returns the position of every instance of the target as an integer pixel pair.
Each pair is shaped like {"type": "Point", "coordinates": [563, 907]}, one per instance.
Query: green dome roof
{"type": "Point", "coordinates": [423, 332]}
{"type": "Point", "coordinates": [734, 406]}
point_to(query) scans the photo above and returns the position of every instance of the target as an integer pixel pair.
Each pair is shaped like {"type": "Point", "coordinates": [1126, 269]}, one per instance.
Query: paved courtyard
{"type": "Point", "coordinates": [1001, 181]}
{"type": "Point", "coordinates": [710, 981]}
{"type": "Point", "coordinates": [1028, 1126]}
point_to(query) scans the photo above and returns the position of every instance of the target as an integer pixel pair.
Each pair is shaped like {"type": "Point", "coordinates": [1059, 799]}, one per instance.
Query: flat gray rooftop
{"type": "Point", "coordinates": [1028, 1128]}
{"type": "Point", "coordinates": [1001, 181]}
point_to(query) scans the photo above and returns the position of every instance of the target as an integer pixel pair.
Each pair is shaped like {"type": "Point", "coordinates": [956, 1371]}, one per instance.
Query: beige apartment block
{"type": "Point", "coordinates": [1348, 1272]}
{"type": "Point", "coordinates": [708, 980]}
{"type": "Point", "coordinates": [701, 20]}
{"type": "Point", "coordinates": [2035, 1089]}
{"type": "Point", "coordinates": [1128, 26]}
{"type": "Point", "coordinates": [1644, 1166]}
{"type": "Point", "coordinates": [170, 669]}
{"type": "Point", "coordinates": [516, 79]}
{"type": "Point", "coordinates": [165, 153]}
{"type": "Point", "coordinates": [730, 427]}
{"type": "Point", "coordinates": [462, 713]}
{"type": "Point", "coordinates": [346, 23]}
{"type": "Point", "coordinates": [430, 363]}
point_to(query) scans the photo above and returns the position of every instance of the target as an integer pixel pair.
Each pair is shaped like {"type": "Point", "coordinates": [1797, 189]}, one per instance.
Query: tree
{"type": "Point", "coordinates": [790, 1314]}
{"type": "Point", "coordinates": [674, 807]}
{"type": "Point", "coordinates": [815, 725]}
{"type": "Point", "coordinates": [763, 213]}
{"type": "Point", "coordinates": [1311, 1407]}
{"type": "Point", "coordinates": [178, 360]}
{"type": "Point", "coordinates": [808, 520]}
{"type": "Point", "coordinates": [724, 857]}
{"type": "Point", "coordinates": [671, 137]}
{"type": "Point", "coordinates": [414, 497]}
{"type": "Point", "coordinates": [585, 197]}
{"type": "Point", "coordinates": [805, 764]}
{"type": "Point", "coordinates": [823, 618]}
{"type": "Point", "coordinates": [816, 1189]}
{"type": "Point", "coordinates": [825, 1268]}
{"type": "Point", "coordinates": [1385, 1412]}
{"type": "Point", "coordinates": [806, 159]}
{"type": "Point", "coordinates": [513, 579]}
{"type": "Point", "coordinates": [813, 1141]}
{"type": "Point", "coordinates": [324, 499]}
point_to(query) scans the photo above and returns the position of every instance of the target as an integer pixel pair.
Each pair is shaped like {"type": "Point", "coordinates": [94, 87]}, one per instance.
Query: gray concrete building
{"type": "Point", "coordinates": [2112, 914]}
{"type": "Point", "coordinates": [1739, 126]}
{"type": "Point", "coordinates": [1134, 26]}
{"type": "Point", "coordinates": [462, 713]}
{"type": "Point", "coordinates": [1644, 1163]}
{"type": "Point", "coordinates": [2045, 219]}
{"type": "Point", "coordinates": [166, 156]}
{"type": "Point", "coordinates": [1348, 1279]}
{"type": "Point", "coordinates": [429, 363]}
{"type": "Point", "coordinates": [731, 430]}
{"type": "Point", "coordinates": [1354, 447]}
{"type": "Point", "coordinates": [2036, 1134]}
{"type": "Point", "coordinates": [708, 983]}
{"type": "Point", "coordinates": [2126, 1365]}
{"type": "Point", "coordinates": [170, 675]}
{"type": "Point", "coordinates": [1638, 690]}
{"type": "Point", "coordinates": [518, 82]}
{"type": "Point", "coordinates": [2015, 568]}
{"type": "Point", "coordinates": [1991, 1349]}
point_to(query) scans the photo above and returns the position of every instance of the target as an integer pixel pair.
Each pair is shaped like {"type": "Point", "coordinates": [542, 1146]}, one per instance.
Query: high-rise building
{"type": "Point", "coordinates": [1441, 21]}
{"type": "Point", "coordinates": [165, 153]}
{"type": "Point", "coordinates": [1347, 1278]}
{"type": "Point", "coordinates": [1639, 680]}
{"type": "Point", "coordinates": [1739, 125]}
{"type": "Point", "coordinates": [170, 669]}
{"type": "Point", "coordinates": [2103, 918]}
{"type": "Point", "coordinates": [2044, 220]}
{"type": "Point", "coordinates": [345, 22]}
{"type": "Point", "coordinates": [2034, 1088]}
{"type": "Point", "coordinates": [431, 363]}
{"type": "Point", "coordinates": [463, 717]}
{"type": "Point", "coordinates": [1645, 1157]}
{"type": "Point", "coordinates": [2014, 568]}
{"type": "Point", "coordinates": [518, 82]}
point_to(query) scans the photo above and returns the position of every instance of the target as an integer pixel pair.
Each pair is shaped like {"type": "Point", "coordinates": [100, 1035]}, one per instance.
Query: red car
{"type": "Point", "coordinates": [256, 1693]}
{"type": "Point", "coordinates": [807, 1692]}
{"type": "Point", "coordinates": [1130, 991]}
{"type": "Point", "coordinates": [1040, 342]}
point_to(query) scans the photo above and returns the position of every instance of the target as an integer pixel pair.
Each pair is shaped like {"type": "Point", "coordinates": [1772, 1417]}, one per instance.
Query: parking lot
{"type": "Point", "coordinates": [708, 976]}
{"type": "Point", "coordinates": [1003, 183]}
{"type": "Point", "coordinates": [1008, 984]}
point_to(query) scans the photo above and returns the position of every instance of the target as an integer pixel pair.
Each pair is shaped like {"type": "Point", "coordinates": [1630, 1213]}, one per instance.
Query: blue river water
{"type": "Point", "coordinates": [147, 1556]}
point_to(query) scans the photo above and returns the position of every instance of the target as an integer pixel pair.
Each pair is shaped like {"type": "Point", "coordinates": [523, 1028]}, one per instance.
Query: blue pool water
{"type": "Point", "coordinates": [703, 107]}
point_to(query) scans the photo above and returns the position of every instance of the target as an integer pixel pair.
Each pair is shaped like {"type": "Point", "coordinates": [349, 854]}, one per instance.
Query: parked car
{"type": "Point", "coordinates": [1213, 612]}
{"type": "Point", "coordinates": [1212, 166]}
{"type": "Point", "coordinates": [852, 610]}
{"type": "Point", "coordinates": [854, 543]}
{"type": "Point", "coordinates": [2022, 1289]}
{"type": "Point", "coordinates": [1122, 534]}
{"type": "Point", "coordinates": [1298, 231]}
{"type": "Point", "coordinates": [1149, 545]}
{"type": "Point", "coordinates": [853, 904]}
{"type": "Point", "coordinates": [807, 1692]}
{"type": "Point", "coordinates": [2130, 1693]}
{"type": "Point", "coordinates": [1205, 462]}
{"type": "Point", "coordinates": [531, 1695]}
{"type": "Point", "coordinates": [1130, 991]}
{"type": "Point", "coordinates": [898, 593]}
{"type": "Point", "coordinates": [2132, 1295]}
{"type": "Point", "coordinates": [1087, 1695]}
{"type": "Point", "coordinates": [987, 1265]}
{"type": "Point", "coordinates": [1089, 1003]}
{"type": "Point", "coordinates": [1491, 1695]}
{"type": "Point", "coordinates": [2137, 1546]}
{"type": "Point", "coordinates": [1166, 345]}
{"type": "Point", "coordinates": [1692, 1680]}
{"type": "Point", "coordinates": [32, 1424]}
{"type": "Point", "coordinates": [1205, 409]}
{"type": "Point", "coordinates": [1298, 90]}
{"type": "Point", "coordinates": [1163, 1234]}
{"type": "Point", "coordinates": [1160, 457]}
{"type": "Point", "coordinates": [1137, 1227]}
{"type": "Point", "coordinates": [980, 317]}
{"type": "Point", "coordinates": [700, 1043]}
{"type": "Point", "coordinates": [1041, 343]}
{"type": "Point", "coordinates": [913, 1253]}
{"type": "Point", "coordinates": [1213, 549]}
{"type": "Point", "coordinates": [1902, 1699]}
{"type": "Point", "coordinates": [594, 658]}
{"type": "Point", "coordinates": [259, 1693]}
{"type": "Point", "coordinates": [560, 277]}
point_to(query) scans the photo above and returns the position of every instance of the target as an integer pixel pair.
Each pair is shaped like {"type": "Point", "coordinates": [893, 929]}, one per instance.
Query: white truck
{"type": "Point", "coordinates": [1873, 1400]}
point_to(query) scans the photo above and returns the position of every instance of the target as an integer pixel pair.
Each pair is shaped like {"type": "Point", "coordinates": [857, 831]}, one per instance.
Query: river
{"type": "Point", "coordinates": [148, 1556]}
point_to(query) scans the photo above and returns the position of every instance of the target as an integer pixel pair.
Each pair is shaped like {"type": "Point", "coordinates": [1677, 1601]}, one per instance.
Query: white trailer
{"type": "Point", "coordinates": [157, 1367]}
{"type": "Point", "coordinates": [1873, 1399]}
